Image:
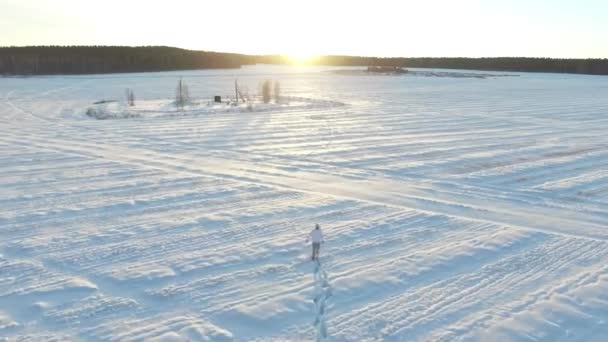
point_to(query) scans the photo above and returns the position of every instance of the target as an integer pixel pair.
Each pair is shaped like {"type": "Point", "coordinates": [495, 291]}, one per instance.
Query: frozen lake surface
{"type": "Point", "coordinates": [454, 209]}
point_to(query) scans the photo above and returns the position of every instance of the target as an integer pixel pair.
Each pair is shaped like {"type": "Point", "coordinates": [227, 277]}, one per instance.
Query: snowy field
{"type": "Point", "coordinates": [454, 209]}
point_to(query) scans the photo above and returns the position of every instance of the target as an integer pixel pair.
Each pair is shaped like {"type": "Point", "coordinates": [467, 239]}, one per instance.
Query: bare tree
{"type": "Point", "coordinates": [236, 90]}
{"type": "Point", "coordinates": [277, 91]}
{"type": "Point", "coordinates": [182, 95]}
{"type": "Point", "coordinates": [266, 91]}
{"type": "Point", "coordinates": [130, 97]}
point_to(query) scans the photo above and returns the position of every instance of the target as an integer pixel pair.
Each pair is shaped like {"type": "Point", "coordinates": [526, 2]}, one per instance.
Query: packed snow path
{"type": "Point", "coordinates": [456, 209]}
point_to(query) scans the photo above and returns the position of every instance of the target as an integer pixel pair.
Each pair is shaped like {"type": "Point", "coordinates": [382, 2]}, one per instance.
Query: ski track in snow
{"type": "Point", "coordinates": [454, 210]}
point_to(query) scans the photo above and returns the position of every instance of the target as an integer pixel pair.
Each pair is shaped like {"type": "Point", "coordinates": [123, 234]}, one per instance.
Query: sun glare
{"type": "Point", "coordinates": [301, 57]}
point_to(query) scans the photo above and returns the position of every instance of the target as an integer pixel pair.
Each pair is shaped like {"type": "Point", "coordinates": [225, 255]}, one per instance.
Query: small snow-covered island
{"type": "Point", "coordinates": [387, 69]}
{"type": "Point", "coordinates": [269, 98]}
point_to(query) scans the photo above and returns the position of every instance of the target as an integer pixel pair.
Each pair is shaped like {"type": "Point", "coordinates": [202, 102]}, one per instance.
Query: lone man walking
{"type": "Point", "coordinates": [317, 239]}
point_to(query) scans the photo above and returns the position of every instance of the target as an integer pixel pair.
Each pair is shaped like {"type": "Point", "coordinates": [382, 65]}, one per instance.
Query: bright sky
{"type": "Point", "coordinates": [470, 28]}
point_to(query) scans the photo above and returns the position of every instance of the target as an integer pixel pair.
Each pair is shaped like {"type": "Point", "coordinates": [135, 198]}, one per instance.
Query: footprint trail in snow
{"type": "Point", "coordinates": [322, 293]}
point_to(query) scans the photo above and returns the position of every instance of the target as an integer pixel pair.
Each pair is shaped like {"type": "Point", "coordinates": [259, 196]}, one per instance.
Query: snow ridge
{"type": "Point", "coordinates": [323, 292]}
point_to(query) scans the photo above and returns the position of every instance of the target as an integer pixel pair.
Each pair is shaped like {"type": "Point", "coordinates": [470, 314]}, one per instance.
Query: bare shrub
{"type": "Point", "coordinates": [243, 93]}
{"type": "Point", "coordinates": [91, 112]}
{"type": "Point", "coordinates": [266, 91]}
{"type": "Point", "coordinates": [101, 112]}
{"type": "Point", "coordinates": [182, 95]}
{"type": "Point", "coordinates": [277, 91]}
{"type": "Point", "coordinates": [130, 97]}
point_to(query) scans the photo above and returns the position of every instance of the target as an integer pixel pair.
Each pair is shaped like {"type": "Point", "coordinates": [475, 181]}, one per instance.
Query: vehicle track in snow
{"type": "Point", "coordinates": [375, 191]}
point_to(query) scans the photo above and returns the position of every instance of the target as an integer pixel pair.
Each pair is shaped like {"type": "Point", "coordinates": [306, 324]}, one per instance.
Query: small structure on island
{"type": "Point", "coordinates": [217, 99]}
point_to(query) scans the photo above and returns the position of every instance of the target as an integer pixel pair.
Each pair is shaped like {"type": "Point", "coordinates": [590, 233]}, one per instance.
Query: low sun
{"type": "Point", "coordinates": [301, 57]}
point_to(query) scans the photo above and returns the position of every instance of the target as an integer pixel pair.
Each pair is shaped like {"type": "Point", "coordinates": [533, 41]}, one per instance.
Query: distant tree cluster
{"type": "Point", "coordinates": [49, 60]}
{"type": "Point", "coordinates": [517, 64]}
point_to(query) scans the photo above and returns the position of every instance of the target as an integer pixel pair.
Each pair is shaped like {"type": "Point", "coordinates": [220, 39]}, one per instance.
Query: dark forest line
{"type": "Point", "coordinates": [54, 60]}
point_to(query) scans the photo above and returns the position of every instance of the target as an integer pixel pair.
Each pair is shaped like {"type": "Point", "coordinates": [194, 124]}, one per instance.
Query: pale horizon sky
{"type": "Point", "coordinates": [411, 28]}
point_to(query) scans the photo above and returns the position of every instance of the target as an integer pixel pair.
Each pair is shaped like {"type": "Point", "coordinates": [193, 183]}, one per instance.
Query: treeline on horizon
{"type": "Point", "coordinates": [52, 60]}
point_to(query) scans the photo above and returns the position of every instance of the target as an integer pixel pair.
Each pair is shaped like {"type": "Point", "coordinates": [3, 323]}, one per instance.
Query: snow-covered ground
{"type": "Point", "coordinates": [453, 208]}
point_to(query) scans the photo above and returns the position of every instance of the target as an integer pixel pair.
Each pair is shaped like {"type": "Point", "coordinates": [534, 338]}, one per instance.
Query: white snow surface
{"type": "Point", "coordinates": [454, 209]}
